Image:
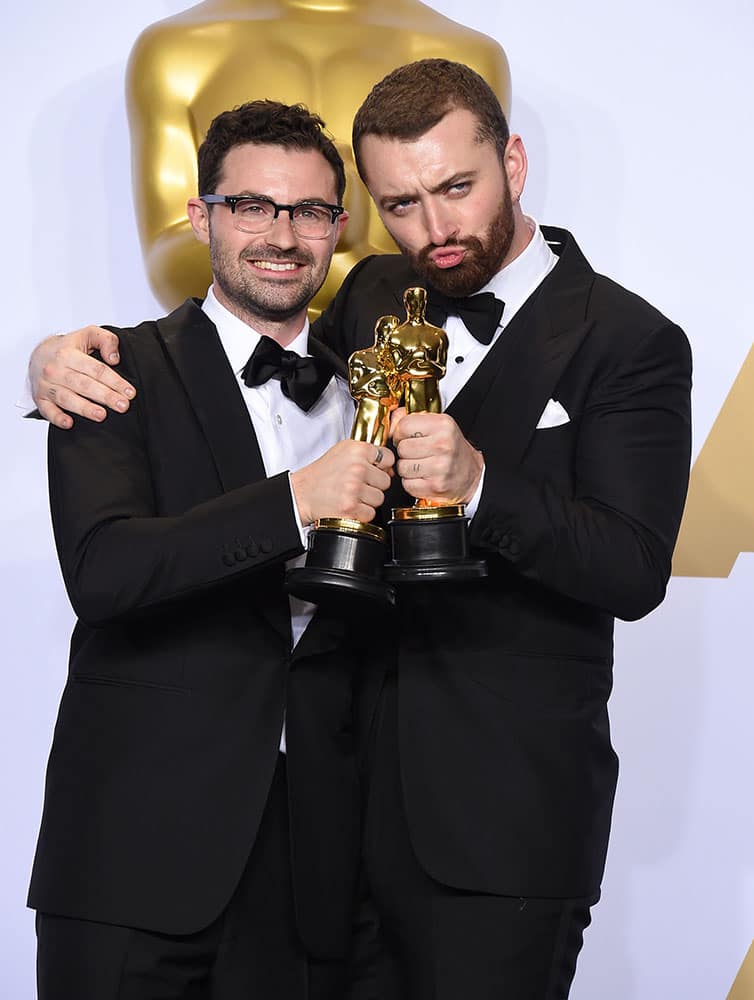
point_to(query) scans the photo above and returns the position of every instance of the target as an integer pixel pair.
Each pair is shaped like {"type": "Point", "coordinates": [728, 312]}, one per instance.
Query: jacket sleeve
{"type": "Point", "coordinates": [121, 558]}
{"type": "Point", "coordinates": [608, 540]}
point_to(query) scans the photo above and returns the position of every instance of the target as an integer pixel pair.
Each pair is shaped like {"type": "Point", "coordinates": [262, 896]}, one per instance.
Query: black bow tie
{"type": "Point", "coordinates": [302, 380]}
{"type": "Point", "coordinates": [480, 313]}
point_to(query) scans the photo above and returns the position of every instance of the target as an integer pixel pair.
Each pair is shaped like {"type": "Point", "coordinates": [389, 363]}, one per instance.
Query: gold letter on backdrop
{"type": "Point", "coordinates": [718, 522]}
{"type": "Point", "coordinates": [324, 53]}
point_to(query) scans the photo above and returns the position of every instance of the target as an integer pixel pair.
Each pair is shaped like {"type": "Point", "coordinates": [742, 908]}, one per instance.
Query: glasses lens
{"type": "Point", "coordinates": [253, 216]}
{"type": "Point", "coordinates": [312, 221]}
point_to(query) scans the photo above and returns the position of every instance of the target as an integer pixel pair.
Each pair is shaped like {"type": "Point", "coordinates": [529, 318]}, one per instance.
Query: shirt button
{"type": "Point", "coordinates": [279, 419]}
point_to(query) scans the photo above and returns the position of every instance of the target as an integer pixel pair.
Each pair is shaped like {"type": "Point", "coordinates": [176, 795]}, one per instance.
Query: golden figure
{"type": "Point", "coordinates": [328, 54]}
{"type": "Point", "coordinates": [420, 352]}
{"type": "Point", "coordinates": [375, 385]}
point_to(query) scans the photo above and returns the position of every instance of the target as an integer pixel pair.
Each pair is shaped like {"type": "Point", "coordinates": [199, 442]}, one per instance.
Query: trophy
{"type": "Point", "coordinates": [429, 541]}
{"type": "Point", "coordinates": [345, 557]}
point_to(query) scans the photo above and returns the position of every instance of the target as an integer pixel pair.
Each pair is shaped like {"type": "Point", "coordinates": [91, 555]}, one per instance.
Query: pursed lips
{"type": "Point", "coordinates": [447, 256]}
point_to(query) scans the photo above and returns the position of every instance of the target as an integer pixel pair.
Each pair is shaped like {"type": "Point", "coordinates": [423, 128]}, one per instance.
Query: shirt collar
{"type": "Point", "coordinates": [238, 338]}
{"type": "Point", "coordinates": [514, 283]}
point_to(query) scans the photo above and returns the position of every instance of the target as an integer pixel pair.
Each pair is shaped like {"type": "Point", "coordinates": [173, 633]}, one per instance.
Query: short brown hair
{"type": "Point", "coordinates": [266, 123]}
{"type": "Point", "coordinates": [414, 98]}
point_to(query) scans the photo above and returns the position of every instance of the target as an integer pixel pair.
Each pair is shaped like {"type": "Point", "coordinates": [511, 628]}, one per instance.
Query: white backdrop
{"type": "Point", "coordinates": [637, 120]}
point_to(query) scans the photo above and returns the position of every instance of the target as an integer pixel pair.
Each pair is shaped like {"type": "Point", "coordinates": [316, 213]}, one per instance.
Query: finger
{"type": "Point", "coordinates": [105, 342]}
{"type": "Point", "coordinates": [85, 386]}
{"type": "Point", "coordinates": [97, 371]}
{"type": "Point", "coordinates": [395, 418]}
{"type": "Point", "coordinates": [414, 448]}
{"type": "Point", "coordinates": [415, 487]}
{"type": "Point", "coordinates": [55, 415]}
{"type": "Point", "coordinates": [63, 398]}
{"type": "Point", "coordinates": [411, 469]}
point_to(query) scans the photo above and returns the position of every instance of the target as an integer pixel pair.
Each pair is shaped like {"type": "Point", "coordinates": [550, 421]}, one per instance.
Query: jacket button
{"type": "Point", "coordinates": [228, 559]}
{"type": "Point", "coordinates": [265, 545]}
{"type": "Point", "coordinates": [240, 555]}
{"type": "Point", "coordinates": [515, 547]}
{"type": "Point", "coordinates": [252, 550]}
{"type": "Point", "coordinates": [505, 541]}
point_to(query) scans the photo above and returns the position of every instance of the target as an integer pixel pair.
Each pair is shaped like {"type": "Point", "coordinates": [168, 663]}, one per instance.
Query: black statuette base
{"type": "Point", "coordinates": [426, 549]}
{"type": "Point", "coordinates": [341, 564]}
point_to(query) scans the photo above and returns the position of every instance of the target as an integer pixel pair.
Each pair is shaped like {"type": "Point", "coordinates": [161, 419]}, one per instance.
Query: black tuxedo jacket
{"type": "Point", "coordinates": [172, 544]}
{"type": "Point", "coordinates": [506, 761]}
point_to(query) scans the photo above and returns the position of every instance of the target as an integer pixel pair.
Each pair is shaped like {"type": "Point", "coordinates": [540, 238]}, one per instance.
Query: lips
{"type": "Point", "coordinates": [447, 256]}
{"type": "Point", "coordinates": [276, 265]}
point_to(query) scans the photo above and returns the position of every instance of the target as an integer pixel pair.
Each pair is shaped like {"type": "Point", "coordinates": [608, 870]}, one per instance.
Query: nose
{"type": "Point", "coordinates": [280, 233]}
{"type": "Point", "coordinates": [440, 222]}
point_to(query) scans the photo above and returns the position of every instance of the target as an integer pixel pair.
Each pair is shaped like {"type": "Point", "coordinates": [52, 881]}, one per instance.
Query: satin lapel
{"type": "Point", "coordinates": [502, 402]}
{"type": "Point", "coordinates": [396, 285]}
{"type": "Point", "coordinates": [192, 343]}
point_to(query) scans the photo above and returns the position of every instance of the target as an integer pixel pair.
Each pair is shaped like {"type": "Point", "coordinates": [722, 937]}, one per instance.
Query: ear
{"type": "Point", "coordinates": [340, 223]}
{"type": "Point", "coordinates": [516, 165]}
{"type": "Point", "coordinates": [198, 214]}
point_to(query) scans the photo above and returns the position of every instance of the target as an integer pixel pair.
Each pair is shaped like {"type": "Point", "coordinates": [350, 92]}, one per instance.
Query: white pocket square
{"type": "Point", "coordinates": [553, 415]}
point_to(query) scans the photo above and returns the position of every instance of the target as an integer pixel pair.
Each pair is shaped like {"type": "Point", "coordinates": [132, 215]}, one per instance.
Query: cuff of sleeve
{"type": "Point", "coordinates": [473, 504]}
{"type": "Point", "coordinates": [303, 531]}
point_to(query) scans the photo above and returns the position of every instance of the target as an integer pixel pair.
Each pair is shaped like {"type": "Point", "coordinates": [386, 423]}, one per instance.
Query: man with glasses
{"type": "Point", "coordinates": [200, 828]}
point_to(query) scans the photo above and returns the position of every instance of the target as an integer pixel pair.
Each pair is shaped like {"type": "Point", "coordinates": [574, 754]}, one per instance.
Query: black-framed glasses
{"type": "Point", "coordinates": [312, 220]}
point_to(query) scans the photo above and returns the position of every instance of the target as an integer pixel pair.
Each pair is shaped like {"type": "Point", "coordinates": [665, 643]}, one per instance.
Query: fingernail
{"type": "Point", "coordinates": [120, 405]}
{"type": "Point", "coordinates": [114, 356]}
{"type": "Point", "coordinates": [129, 392]}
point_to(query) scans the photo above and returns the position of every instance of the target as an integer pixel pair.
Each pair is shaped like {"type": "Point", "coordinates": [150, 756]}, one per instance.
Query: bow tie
{"type": "Point", "coordinates": [302, 380]}
{"type": "Point", "coordinates": [480, 313]}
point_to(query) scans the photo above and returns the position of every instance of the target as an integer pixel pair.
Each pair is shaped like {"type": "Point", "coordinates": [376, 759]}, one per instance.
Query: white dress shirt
{"type": "Point", "coordinates": [288, 437]}
{"type": "Point", "coordinates": [512, 285]}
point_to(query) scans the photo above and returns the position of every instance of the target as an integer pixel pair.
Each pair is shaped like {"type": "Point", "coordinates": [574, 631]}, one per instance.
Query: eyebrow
{"type": "Point", "coordinates": [461, 175]}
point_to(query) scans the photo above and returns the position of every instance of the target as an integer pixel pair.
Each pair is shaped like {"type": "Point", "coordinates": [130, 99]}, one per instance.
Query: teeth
{"type": "Point", "coordinates": [271, 265]}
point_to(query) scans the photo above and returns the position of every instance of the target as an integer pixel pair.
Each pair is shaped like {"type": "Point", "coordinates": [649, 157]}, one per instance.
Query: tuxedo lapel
{"type": "Point", "coordinates": [194, 347]}
{"type": "Point", "coordinates": [501, 403]}
{"type": "Point", "coordinates": [191, 341]}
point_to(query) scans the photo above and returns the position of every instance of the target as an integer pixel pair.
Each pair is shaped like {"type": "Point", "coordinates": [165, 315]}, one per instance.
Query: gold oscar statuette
{"type": "Point", "coordinates": [345, 557]}
{"type": "Point", "coordinates": [429, 541]}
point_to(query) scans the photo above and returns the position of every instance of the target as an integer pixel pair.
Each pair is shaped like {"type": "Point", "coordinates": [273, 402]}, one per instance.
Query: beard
{"type": "Point", "coordinates": [251, 296]}
{"type": "Point", "coordinates": [484, 256]}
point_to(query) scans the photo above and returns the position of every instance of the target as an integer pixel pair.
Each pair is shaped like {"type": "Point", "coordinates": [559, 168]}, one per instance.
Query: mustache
{"type": "Point", "coordinates": [298, 256]}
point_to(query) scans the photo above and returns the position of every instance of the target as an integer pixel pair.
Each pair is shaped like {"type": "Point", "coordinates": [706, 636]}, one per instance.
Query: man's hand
{"type": "Point", "coordinates": [435, 461]}
{"type": "Point", "coordinates": [64, 377]}
{"type": "Point", "coordinates": [349, 480]}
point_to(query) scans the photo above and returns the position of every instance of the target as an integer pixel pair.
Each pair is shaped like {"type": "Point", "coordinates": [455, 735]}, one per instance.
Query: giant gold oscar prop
{"type": "Point", "coordinates": [328, 54]}
{"type": "Point", "coordinates": [345, 557]}
{"type": "Point", "coordinates": [429, 541]}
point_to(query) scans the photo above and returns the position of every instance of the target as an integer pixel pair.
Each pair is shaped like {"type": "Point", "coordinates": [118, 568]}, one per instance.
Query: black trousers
{"type": "Point", "coordinates": [441, 943]}
{"type": "Point", "coordinates": [250, 952]}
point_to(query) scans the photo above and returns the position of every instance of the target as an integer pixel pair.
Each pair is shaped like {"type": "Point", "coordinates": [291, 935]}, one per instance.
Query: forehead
{"type": "Point", "coordinates": [283, 174]}
{"type": "Point", "coordinates": [406, 166]}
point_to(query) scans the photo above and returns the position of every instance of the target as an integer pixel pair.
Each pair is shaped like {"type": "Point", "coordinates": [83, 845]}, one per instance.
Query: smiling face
{"type": "Point", "coordinates": [447, 201]}
{"type": "Point", "coordinates": [268, 279]}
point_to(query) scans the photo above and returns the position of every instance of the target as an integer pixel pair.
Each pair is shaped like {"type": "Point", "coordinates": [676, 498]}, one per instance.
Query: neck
{"type": "Point", "coordinates": [522, 236]}
{"type": "Point", "coordinates": [284, 331]}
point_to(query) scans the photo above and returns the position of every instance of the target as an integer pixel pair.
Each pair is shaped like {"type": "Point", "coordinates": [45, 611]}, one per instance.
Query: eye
{"type": "Point", "coordinates": [249, 207]}
{"type": "Point", "coordinates": [400, 207]}
{"type": "Point", "coordinates": [458, 189]}
{"type": "Point", "coordinates": [311, 213]}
